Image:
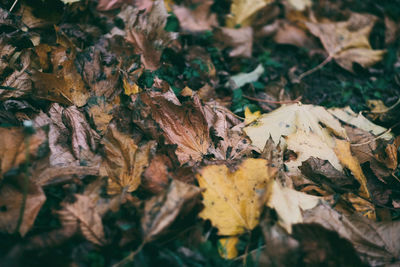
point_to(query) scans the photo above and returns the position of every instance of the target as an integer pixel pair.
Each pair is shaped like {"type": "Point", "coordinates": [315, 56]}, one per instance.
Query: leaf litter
{"type": "Point", "coordinates": [172, 132]}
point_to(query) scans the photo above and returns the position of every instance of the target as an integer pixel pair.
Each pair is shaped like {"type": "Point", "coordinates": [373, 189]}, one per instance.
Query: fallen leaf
{"type": "Point", "coordinates": [348, 41]}
{"type": "Point", "coordinates": [289, 119]}
{"type": "Point", "coordinates": [65, 84]}
{"type": "Point", "coordinates": [146, 32]}
{"type": "Point", "coordinates": [102, 114]}
{"type": "Point", "coordinates": [300, 5]}
{"type": "Point", "coordinates": [376, 242]}
{"type": "Point", "coordinates": [198, 18]}
{"type": "Point", "coordinates": [233, 200]}
{"type": "Point", "coordinates": [161, 211]}
{"type": "Point", "coordinates": [239, 40]}
{"type": "Point", "coordinates": [11, 201]}
{"type": "Point", "coordinates": [289, 204]}
{"type": "Point", "coordinates": [238, 80]}
{"type": "Point", "coordinates": [83, 137]}
{"type": "Point", "coordinates": [325, 175]}
{"type": "Point", "coordinates": [156, 176]}
{"type": "Point", "coordinates": [242, 11]}
{"type": "Point", "coordinates": [358, 120]}
{"type": "Point", "coordinates": [227, 247]}
{"type": "Point", "coordinates": [343, 152]}
{"type": "Point", "coordinates": [124, 161]}
{"type": "Point", "coordinates": [16, 146]}
{"type": "Point", "coordinates": [183, 125]}
{"type": "Point", "coordinates": [250, 116]}
{"type": "Point", "coordinates": [83, 213]}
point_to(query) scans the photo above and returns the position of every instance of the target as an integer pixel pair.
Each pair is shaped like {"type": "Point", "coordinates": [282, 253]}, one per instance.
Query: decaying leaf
{"type": "Point", "coordinates": [233, 200]}
{"type": "Point", "coordinates": [241, 79]}
{"type": "Point", "coordinates": [161, 211]}
{"type": "Point", "coordinates": [155, 177]}
{"type": "Point", "coordinates": [146, 32]}
{"type": "Point", "coordinates": [15, 146]}
{"type": "Point", "coordinates": [184, 125]}
{"type": "Point", "coordinates": [83, 214]}
{"type": "Point", "coordinates": [124, 161]}
{"type": "Point", "coordinates": [347, 42]}
{"type": "Point", "coordinates": [242, 11]}
{"type": "Point", "coordinates": [102, 114]}
{"type": "Point", "coordinates": [11, 201]}
{"type": "Point", "coordinates": [196, 19]}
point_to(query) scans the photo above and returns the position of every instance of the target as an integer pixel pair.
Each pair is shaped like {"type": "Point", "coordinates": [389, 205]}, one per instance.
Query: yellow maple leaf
{"type": "Point", "coordinates": [232, 199]}
{"type": "Point", "coordinates": [242, 11]}
{"type": "Point", "coordinates": [227, 247]}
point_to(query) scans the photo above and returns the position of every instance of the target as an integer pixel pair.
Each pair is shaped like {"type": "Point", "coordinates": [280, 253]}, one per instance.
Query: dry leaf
{"type": "Point", "coordinates": [289, 204]}
{"type": "Point", "coordinates": [83, 138]}
{"type": "Point", "coordinates": [358, 120]}
{"type": "Point", "coordinates": [240, 79]}
{"type": "Point", "coordinates": [15, 146]}
{"type": "Point", "coordinates": [376, 243]}
{"type": "Point", "coordinates": [146, 32]}
{"type": "Point", "coordinates": [289, 119]}
{"type": "Point", "coordinates": [124, 161]}
{"type": "Point", "coordinates": [11, 200]}
{"type": "Point", "coordinates": [102, 114]}
{"type": "Point", "coordinates": [347, 42]}
{"type": "Point", "coordinates": [239, 40]}
{"type": "Point", "coordinates": [198, 18]}
{"type": "Point", "coordinates": [161, 211]}
{"type": "Point", "coordinates": [227, 247]}
{"type": "Point", "coordinates": [184, 125]}
{"type": "Point", "coordinates": [233, 200]}
{"type": "Point", "coordinates": [242, 11]}
{"type": "Point", "coordinates": [83, 213]}
{"type": "Point", "coordinates": [65, 84]}
{"type": "Point", "coordinates": [156, 176]}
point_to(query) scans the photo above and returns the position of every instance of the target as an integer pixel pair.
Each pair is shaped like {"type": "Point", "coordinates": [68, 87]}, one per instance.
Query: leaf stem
{"type": "Point", "coordinates": [320, 66]}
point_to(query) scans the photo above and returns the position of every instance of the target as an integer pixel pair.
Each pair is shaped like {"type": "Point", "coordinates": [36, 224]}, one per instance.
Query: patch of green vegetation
{"type": "Point", "coordinates": [172, 23]}
{"type": "Point", "coordinates": [239, 103]}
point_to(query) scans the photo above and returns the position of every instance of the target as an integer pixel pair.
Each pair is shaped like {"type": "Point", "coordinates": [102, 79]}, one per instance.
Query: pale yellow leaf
{"type": "Point", "coordinates": [243, 10]}
{"type": "Point", "coordinates": [227, 247]}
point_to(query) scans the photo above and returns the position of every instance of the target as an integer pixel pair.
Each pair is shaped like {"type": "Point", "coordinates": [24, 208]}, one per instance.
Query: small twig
{"type": "Point", "coordinates": [297, 100]}
{"type": "Point", "coordinates": [13, 5]}
{"type": "Point", "coordinates": [230, 112]}
{"type": "Point", "coordinates": [320, 66]}
{"type": "Point", "coordinates": [387, 109]}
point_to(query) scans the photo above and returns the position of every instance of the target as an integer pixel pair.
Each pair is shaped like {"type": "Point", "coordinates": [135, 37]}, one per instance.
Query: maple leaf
{"type": "Point", "coordinates": [184, 125]}
{"type": "Point", "coordinates": [146, 32]}
{"type": "Point", "coordinates": [124, 161]}
{"type": "Point", "coordinates": [233, 200]}
{"type": "Point", "coordinates": [289, 119]}
{"type": "Point", "coordinates": [347, 42]}
{"type": "Point", "coordinates": [243, 10]}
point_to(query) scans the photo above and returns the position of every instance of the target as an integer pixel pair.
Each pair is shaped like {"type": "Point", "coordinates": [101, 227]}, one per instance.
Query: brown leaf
{"type": "Point", "coordinates": [65, 84]}
{"type": "Point", "coordinates": [19, 82]}
{"type": "Point", "coordinates": [100, 70]}
{"type": "Point", "coordinates": [124, 161]}
{"type": "Point", "coordinates": [239, 40]}
{"type": "Point", "coordinates": [11, 201]}
{"type": "Point", "coordinates": [83, 138]}
{"type": "Point", "coordinates": [324, 174]}
{"type": "Point", "coordinates": [15, 146]}
{"type": "Point", "coordinates": [161, 211]}
{"type": "Point", "coordinates": [146, 33]}
{"type": "Point", "coordinates": [84, 214]}
{"type": "Point", "coordinates": [183, 125]}
{"type": "Point", "coordinates": [376, 242]}
{"type": "Point", "coordinates": [196, 19]}
{"type": "Point", "coordinates": [102, 114]}
{"type": "Point", "coordinates": [155, 177]}
{"type": "Point", "coordinates": [347, 41]}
